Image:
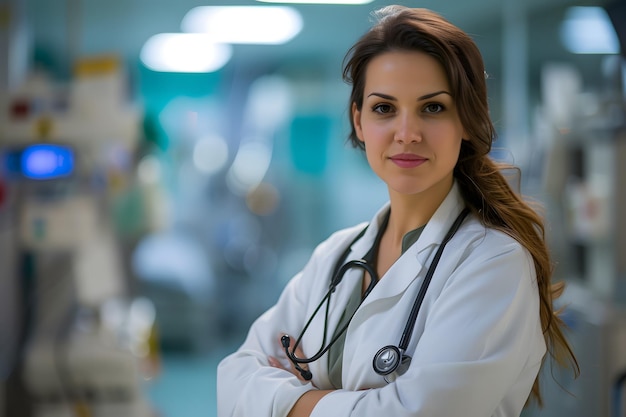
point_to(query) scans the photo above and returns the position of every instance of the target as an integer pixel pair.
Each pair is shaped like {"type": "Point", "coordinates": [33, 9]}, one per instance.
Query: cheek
{"type": "Point", "coordinates": [449, 132]}
{"type": "Point", "coordinates": [373, 132]}
{"type": "Point", "coordinates": [446, 140]}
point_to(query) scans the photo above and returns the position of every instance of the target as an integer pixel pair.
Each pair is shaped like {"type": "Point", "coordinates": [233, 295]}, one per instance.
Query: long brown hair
{"type": "Point", "coordinates": [485, 190]}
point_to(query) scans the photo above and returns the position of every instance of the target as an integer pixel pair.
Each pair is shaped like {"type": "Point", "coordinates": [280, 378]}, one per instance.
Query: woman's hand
{"type": "Point", "coordinates": [305, 404]}
{"type": "Point", "coordinates": [299, 353]}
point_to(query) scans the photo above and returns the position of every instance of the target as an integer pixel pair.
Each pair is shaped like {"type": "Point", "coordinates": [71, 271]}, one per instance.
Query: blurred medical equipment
{"type": "Point", "coordinates": [388, 359]}
{"type": "Point", "coordinates": [84, 347]}
{"type": "Point", "coordinates": [617, 395]}
{"type": "Point", "coordinates": [213, 270]}
{"type": "Point", "coordinates": [583, 146]}
{"type": "Point", "coordinates": [597, 333]}
{"type": "Point", "coordinates": [8, 288]}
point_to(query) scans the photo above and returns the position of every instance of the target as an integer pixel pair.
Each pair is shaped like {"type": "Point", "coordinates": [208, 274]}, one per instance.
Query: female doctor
{"type": "Point", "coordinates": [442, 306]}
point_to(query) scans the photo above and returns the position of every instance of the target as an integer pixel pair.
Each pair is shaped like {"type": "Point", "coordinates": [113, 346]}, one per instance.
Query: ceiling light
{"type": "Point", "coordinates": [588, 30]}
{"type": "Point", "coordinates": [184, 52]}
{"type": "Point", "coordinates": [350, 2]}
{"type": "Point", "coordinates": [244, 24]}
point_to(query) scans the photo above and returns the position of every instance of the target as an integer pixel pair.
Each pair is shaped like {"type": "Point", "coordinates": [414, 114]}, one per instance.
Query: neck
{"type": "Point", "coordinates": [408, 212]}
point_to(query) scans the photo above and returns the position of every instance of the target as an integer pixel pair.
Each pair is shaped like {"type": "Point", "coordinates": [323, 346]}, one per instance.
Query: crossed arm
{"type": "Point", "coordinates": [305, 404]}
{"type": "Point", "coordinates": [502, 347]}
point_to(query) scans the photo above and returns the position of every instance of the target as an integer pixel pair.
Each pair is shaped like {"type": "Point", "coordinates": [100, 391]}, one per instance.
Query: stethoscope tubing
{"type": "Point", "coordinates": [358, 263]}
{"type": "Point", "coordinates": [401, 348]}
{"type": "Point", "coordinates": [412, 319]}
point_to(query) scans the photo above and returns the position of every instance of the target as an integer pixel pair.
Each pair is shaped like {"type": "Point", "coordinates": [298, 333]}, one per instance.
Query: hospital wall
{"type": "Point", "coordinates": [222, 184]}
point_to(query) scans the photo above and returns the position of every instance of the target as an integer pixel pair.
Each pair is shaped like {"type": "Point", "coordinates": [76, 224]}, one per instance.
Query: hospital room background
{"type": "Point", "coordinates": [167, 166]}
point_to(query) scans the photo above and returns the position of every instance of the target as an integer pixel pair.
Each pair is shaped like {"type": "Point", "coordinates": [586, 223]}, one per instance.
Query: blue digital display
{"type": "Point", "coordinates": [46, 161]}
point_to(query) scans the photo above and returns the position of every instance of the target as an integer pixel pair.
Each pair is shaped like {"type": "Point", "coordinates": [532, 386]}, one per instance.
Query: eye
{"type": "Point", "coordinates": [434, 108]}
{"type": "Point", "coordinates": [382, 108]}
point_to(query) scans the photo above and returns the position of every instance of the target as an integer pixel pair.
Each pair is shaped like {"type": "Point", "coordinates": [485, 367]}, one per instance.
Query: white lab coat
{"type": "Point", "coordinates": [477, 345]}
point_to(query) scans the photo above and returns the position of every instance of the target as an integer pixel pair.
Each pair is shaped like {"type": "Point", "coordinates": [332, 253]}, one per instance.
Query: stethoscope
{"type": "Point", "coordinates": [389, 358]}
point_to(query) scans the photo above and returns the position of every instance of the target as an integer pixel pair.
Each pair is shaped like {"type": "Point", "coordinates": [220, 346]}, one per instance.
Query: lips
{"type": "Point", "coordinates": [408, 160]}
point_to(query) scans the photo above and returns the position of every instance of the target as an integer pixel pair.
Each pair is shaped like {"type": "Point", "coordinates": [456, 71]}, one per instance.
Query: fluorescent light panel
{"type": "Point", "coordinates": [349, 2]}
{"type": "Point", "coordinates": [184, 52]}
{"type": "Point", "coordinates": [244, 24]}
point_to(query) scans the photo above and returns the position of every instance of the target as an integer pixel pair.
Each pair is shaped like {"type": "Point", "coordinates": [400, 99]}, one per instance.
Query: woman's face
{"type": "Point", "coordinates": [409, 123]}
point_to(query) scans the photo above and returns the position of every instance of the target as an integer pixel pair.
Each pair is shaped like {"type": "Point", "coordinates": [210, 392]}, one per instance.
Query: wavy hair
{"type": "Point", "coordinates": [483, 186]}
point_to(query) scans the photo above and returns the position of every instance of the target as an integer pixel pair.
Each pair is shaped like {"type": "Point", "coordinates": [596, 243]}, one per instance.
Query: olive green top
{"type": "Point", "coordinates": [335, 354]}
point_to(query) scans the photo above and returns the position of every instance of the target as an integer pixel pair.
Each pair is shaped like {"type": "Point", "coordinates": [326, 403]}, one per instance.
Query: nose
{"type": "Point", "coordinates": [408, 129]}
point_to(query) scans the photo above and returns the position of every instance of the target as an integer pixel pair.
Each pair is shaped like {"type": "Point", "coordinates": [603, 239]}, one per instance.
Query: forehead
{"type": "Point", "coordinates": [405, 70]}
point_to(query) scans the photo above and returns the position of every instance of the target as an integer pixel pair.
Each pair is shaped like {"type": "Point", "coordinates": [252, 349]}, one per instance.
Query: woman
{"type": "Point", "coordinates": [484, 312]}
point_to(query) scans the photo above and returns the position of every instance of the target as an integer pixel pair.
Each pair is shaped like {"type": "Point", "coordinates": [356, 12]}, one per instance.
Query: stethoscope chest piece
{"type": "Point", "coordinates": [390, 359]}
{"type": "Point", "coordinates": [387, 360]}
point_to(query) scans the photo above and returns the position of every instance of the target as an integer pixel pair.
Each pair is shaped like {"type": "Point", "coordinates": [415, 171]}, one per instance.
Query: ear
{"type": "Point", "coordinates": [356, 121]}
{"type": "Point", "coordinates": [465, 135]}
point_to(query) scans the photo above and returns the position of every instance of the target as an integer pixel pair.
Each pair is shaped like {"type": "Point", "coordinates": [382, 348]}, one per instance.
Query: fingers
{"type": "Point", "coordinates": [274, 362]}
{"type": "Point", "coordinates": [297, 353]}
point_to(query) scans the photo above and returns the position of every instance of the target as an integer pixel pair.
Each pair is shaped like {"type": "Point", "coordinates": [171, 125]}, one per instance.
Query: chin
{"type": "Point", "coordinates": [413, 187]}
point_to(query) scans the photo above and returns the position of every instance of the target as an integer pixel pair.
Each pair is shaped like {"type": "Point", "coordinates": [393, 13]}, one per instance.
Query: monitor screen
{"type": "Point", "coordinates": [41, 162]}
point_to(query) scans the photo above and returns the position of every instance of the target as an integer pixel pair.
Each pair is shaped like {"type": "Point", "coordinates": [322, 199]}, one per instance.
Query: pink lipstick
{"type": "Point", "coordinates": [407, 160]}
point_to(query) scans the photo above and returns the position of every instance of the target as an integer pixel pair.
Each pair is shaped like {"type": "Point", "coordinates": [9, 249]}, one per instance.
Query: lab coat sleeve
{"type": "Point", "coordinates": [246, 384]}
{"type": "Point", "coordinates": [474, 348]}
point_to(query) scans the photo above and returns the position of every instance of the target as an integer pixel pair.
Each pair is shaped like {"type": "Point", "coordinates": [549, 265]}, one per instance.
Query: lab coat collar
{"type": "Point", "coordinates": [441, 221]}
{"type": "Point", "coordinates": [406, 269]}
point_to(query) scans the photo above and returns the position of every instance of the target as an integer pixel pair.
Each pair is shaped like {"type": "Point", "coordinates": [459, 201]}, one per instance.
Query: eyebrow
{"type": "Point", "coordinates": [424, 97]}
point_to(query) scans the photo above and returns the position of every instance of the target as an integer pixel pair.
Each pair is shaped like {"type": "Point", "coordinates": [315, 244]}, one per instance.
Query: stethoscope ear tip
{"type": "Point", "coordinates": [285, 340]}
{"type": "Point", "coordinates": [306, 374]}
